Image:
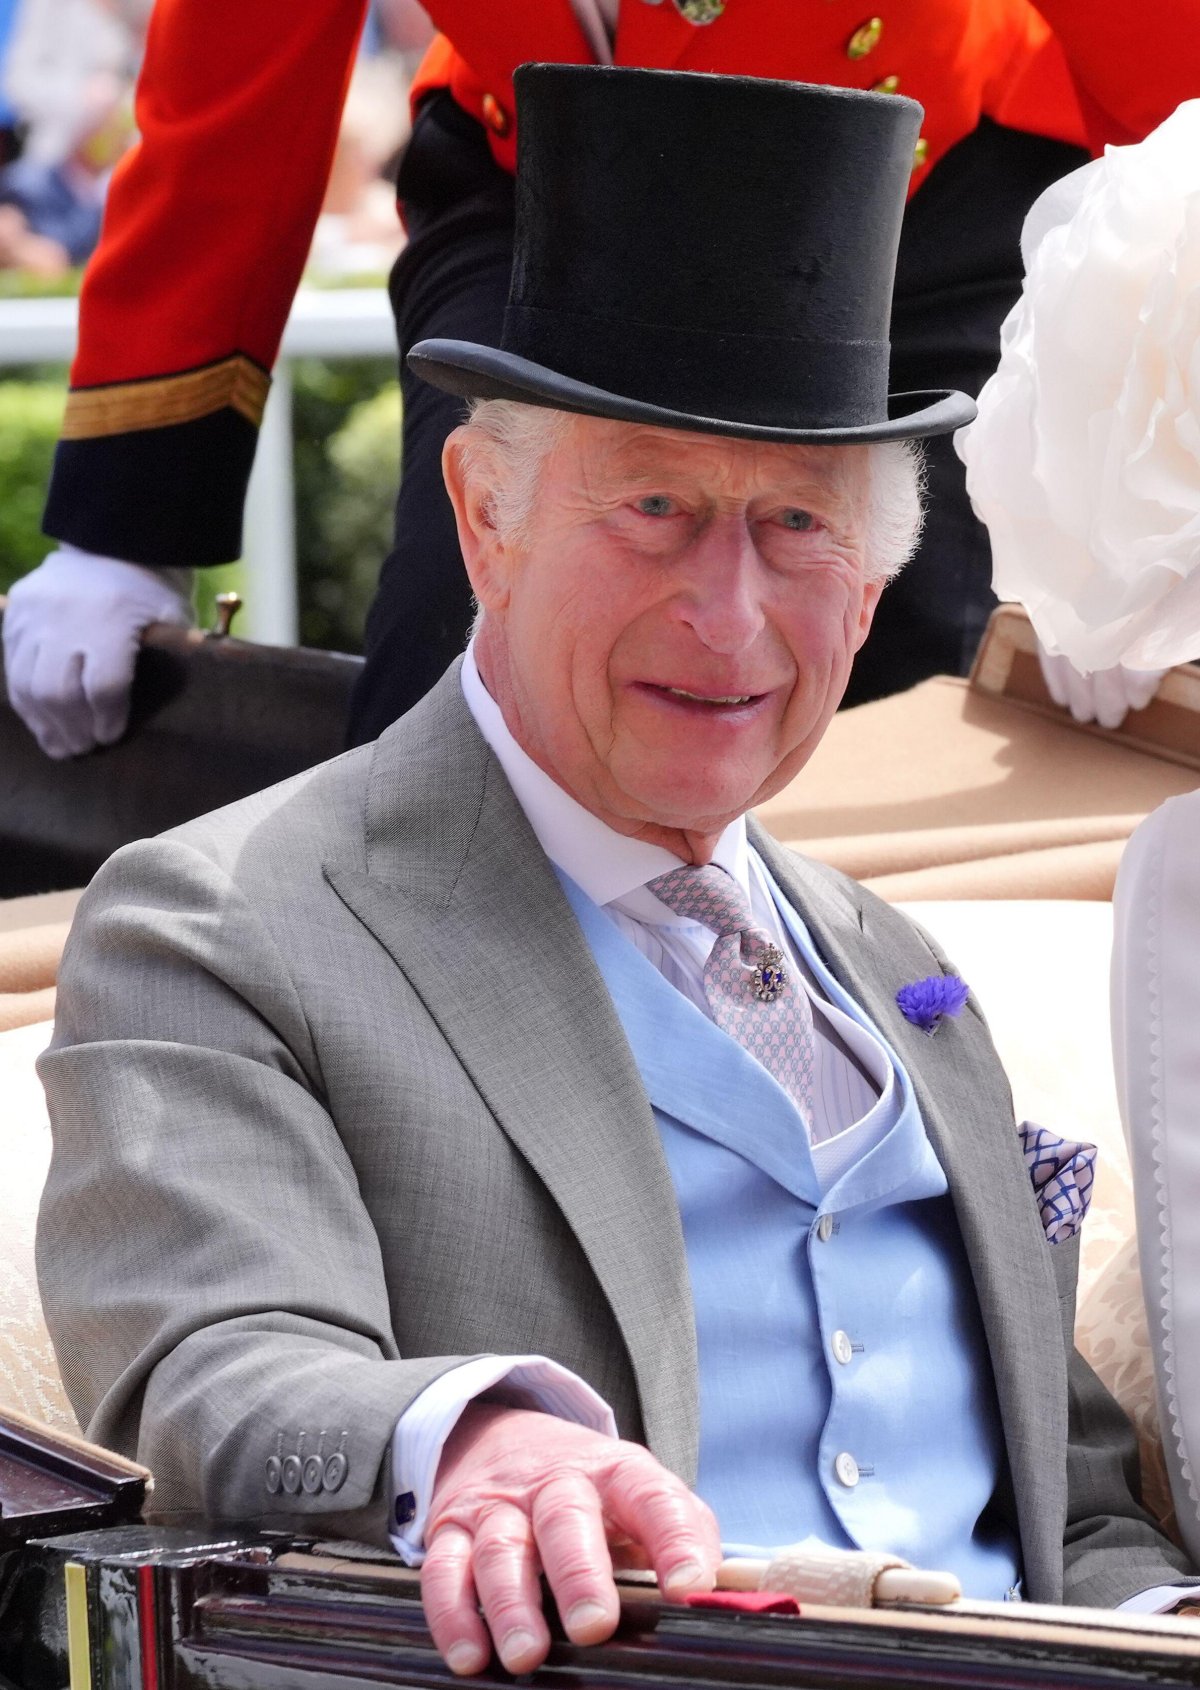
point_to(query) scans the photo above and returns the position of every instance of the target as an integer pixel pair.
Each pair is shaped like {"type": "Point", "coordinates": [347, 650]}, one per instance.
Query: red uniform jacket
{"type": "Point", "coordinates": [209, 219]}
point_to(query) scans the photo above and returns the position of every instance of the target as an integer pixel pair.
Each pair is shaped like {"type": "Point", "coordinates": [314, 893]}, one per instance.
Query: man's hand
{"type": "Point", "coordinates": [1105, 697]}
{"type": "Point", "coordinates": [520, 1492]}
{"type": "Point", "coordinates": [71, 634]}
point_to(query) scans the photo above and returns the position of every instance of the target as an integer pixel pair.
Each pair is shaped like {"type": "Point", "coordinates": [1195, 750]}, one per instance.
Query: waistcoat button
{"type": "Point", "coordinates": [846, 1469]}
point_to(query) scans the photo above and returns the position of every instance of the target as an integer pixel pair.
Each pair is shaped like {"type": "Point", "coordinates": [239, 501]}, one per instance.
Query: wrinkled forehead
{"type": "Point", "coordinates": [633, 454]}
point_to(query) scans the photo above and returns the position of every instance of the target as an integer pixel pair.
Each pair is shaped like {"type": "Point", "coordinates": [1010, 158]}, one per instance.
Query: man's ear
{"type": "Point", "coordinates": [872, 591]}
{"type": "Point", "coordinates": [470, 486]}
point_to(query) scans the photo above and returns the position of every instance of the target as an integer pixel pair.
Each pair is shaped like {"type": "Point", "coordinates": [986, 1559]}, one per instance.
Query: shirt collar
{"type": "Point", "coordinates": [606, 866]}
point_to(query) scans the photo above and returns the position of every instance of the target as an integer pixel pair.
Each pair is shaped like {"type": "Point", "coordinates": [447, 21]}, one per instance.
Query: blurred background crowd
{"type": "Point", "coordinates": [67, 74]}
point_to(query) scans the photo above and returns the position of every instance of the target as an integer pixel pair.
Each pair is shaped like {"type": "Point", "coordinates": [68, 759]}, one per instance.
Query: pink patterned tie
{"type": "Point", "coordinates": [748, 991]}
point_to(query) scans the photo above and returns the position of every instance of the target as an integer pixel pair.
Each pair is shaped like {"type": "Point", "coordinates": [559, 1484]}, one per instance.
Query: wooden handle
{"type": "Point", "coordinates": [913, 1585]}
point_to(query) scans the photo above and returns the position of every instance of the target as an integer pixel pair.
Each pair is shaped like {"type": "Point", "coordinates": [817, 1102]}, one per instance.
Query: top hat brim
{"type": "Point", "coordinates": [486, 372]}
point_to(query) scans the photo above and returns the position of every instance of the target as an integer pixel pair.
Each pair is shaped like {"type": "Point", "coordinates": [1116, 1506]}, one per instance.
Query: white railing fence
{"type": "Point", "coordinates": [339, 323]}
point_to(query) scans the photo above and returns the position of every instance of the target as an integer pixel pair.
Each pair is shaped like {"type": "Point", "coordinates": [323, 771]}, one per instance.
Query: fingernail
{"type": "Point", "coordinates": [586, 1616]}
{"type": "Point", "coordinates": [684, 1576]}
{"type": "Point", "coordinates": [465, 1658]}
{"type": "Point", "coordinates": [516, 1649]}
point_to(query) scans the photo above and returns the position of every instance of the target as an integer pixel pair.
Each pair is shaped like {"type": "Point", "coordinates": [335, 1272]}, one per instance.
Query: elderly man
{"type": "Point", "coordinates": [490, 1141]}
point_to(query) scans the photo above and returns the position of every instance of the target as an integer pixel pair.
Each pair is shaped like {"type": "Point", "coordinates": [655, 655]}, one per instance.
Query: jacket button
{"type": "Point", "coordinates": [336, 1469]}
{"type": "Point", "coordinates": [495, 116]}
{"type": "Point", "coordinates": [920, 153]}
{"type": "Point", "coordinates": [312, 1476]}
{"type": "Point", "coordinates": [846, 1469]}
{"type": "Point", "coordinates": [865, 39]}
{"type": "Point", "coordinates": [842, 1348]}
{"type": "Point", "coordinates": [291, 1474]}
{"type": "Point", "coordinates": [886, 85]}
{"type": "Point", "coordinates": [274, 1477]}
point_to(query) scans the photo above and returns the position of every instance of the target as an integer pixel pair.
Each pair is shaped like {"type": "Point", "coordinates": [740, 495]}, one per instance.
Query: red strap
{"type": "Point", "coordinates": [745, 1601]}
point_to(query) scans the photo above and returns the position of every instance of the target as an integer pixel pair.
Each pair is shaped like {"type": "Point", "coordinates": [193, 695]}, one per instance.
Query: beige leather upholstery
{"type": "Point", "coordinates": [29, 1377]}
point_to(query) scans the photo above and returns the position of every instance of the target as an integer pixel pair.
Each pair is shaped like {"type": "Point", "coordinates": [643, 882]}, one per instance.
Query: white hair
{"type": "Point", "coordinates": [512, 441]}
{"type": "Point", "coordinates": [896, 508]}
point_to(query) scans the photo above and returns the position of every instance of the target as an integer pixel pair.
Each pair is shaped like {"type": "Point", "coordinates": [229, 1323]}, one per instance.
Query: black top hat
{"type": "Point", "coordinates": [712, 253]}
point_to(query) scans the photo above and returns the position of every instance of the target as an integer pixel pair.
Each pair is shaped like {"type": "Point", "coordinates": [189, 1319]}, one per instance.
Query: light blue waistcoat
{"type": "Point", "coordinates": [914, 1407]}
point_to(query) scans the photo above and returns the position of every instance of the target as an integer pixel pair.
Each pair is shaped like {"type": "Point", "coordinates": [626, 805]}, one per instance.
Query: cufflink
{"type": "Point", "coordinates": [406, 1508]}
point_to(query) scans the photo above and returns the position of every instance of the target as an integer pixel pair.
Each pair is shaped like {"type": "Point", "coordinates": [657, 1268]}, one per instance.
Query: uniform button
{"type": "Point", "coordinates": [865, 39]}
{"type": "Point", "coordinates": [274, 1474]}
{"type": "Point", "coordinates": [495, 116]}
{"type": "Point", "coordinates": [700, 11]}
{"type": "Point", "coordinates": [291, 1474]}
{"type": "Point", "coordinates": [312, 1475]}
{"type": "Point", "coordinates": [886, 85]}
{"type": "Point", "coordinates": [920, 153]}
{"type": "Point", "coordinates": [846, 1469]}
{"type": "Point", "coordinates": [336, 1469]}
{"type": "Point", "coordinates": [843, 1349]}
{"type": "Point", "coordinates": [825, 1228]}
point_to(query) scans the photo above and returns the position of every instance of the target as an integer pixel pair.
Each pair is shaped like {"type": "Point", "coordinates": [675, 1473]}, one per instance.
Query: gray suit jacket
{"type": "Point", "coordinates": [339, 1100]}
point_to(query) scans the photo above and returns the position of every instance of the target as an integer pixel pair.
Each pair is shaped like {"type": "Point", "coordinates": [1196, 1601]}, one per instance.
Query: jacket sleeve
{"type": "Point", "coordinates": [210, 1272]}
{"type": "Point", "coordinates": [1131, 65]}
{"type": "Point", "coordinates": [1112, 1548]}
{"type": "Point", "coordinates": [205, 235]}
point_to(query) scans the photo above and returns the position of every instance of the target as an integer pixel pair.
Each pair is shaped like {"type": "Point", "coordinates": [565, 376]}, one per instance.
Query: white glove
{"type": "Point", "coordinates": [1104, 696]}
{"type": "Point", "coordinates": [71, 634]}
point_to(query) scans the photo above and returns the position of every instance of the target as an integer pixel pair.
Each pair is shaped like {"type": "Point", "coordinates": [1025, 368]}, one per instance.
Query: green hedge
{"type": "Point", "coordinates": [30, 418]}
{"type": "Point", "coordinates": [347, 451]}
{"type": "Point", "coordinates": [346, 424]}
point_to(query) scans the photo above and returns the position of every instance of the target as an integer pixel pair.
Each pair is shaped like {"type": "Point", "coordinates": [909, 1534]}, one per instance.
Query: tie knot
{"type": "Point", "coordinates": [708, 895]}
{"type": "Point", "coordinates": [750, 970]}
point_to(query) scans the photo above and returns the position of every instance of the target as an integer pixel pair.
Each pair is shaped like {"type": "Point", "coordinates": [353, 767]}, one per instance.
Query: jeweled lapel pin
{"type": "Point", "coordinates": [925, 1002]}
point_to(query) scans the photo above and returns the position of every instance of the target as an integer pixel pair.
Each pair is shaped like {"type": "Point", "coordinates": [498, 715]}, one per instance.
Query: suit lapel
{"type": "Point", "coordinates": [457, 889]}
{"type": "Point", "coordinates": [967, 1112]}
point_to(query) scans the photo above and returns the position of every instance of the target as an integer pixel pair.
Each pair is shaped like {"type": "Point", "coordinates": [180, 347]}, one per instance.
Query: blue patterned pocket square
{"type": "Point", "coordinates": [1062, 1174]}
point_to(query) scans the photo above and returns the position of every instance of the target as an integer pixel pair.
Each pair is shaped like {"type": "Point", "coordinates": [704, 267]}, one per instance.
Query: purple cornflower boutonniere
{"type": "Point", "coordinates": [926, 1001]}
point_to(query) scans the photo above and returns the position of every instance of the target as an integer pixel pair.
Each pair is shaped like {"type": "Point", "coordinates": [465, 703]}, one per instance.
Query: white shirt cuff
{"type": "Point", "coordinates": [427, 1422]}
{"type": "Point", "coordinates": [1159, 1599]}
